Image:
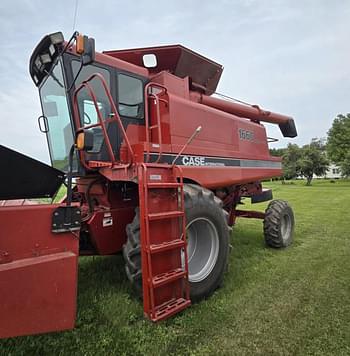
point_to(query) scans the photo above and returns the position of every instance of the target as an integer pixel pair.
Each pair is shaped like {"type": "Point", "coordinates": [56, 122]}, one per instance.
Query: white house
{"type": "Point", "coordinates": [333, 172]}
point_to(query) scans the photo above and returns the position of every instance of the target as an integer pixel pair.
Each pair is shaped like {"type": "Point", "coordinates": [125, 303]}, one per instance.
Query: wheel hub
{"type": "Point", "coordinates": [202, 248]}
{"type": "Point", "coordinates": [286, 227]}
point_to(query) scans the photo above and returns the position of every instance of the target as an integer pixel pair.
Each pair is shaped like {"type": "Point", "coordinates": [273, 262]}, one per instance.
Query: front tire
{"type": "Point", "coordinates": [208, 243]}
{"type": "Point", "coordinates": [132, 253]}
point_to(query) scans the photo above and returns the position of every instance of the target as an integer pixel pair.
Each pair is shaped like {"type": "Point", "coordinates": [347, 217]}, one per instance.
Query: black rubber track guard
{"type": "Point", "coordinates": [22, 177]}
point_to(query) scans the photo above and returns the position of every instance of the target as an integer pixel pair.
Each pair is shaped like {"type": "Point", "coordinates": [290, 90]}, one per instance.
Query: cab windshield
{"type": "Point", "coordinates": [55, 108]}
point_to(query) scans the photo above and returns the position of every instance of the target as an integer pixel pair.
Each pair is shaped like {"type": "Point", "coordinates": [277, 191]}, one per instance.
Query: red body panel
{"type": "Point", "coordinates": [107, 229]}
{"type": "Point", "coordinates": [216, 177]}
{"type": "Point", "coordinates": [38, 272]}
{"type": "Point", "coordinates": [219, 135]}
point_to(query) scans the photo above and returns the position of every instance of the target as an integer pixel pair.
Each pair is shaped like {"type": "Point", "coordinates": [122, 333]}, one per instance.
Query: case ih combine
{"type": "Point", "coordinates": [155, 167]}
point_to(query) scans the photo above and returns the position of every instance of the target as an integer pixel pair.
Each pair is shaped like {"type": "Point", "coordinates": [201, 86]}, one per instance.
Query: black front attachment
{"type": "Point", "coordinates": [22, 177]}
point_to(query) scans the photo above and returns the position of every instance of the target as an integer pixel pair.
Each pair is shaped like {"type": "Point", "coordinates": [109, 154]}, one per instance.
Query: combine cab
{"type": "Point", "coordinates": [155, 166]}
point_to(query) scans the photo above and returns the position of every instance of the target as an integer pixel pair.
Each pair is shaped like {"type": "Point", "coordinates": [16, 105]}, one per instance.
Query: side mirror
{"type": "Point", "coordinates": [86, 48]}
{"type": "Point", "coordinates": [84, 141]}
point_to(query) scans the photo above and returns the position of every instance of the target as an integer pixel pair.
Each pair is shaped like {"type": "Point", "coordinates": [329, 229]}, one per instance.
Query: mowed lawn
{"type": "Point", "coordinates": [274, 302]}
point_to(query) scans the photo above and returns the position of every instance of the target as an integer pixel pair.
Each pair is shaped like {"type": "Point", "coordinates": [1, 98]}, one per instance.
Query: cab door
{"type": "Point", "coordinates": [88, 115]}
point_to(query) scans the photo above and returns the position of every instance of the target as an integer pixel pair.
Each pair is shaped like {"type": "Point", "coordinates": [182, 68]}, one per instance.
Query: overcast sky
{"type": "Point", "coordinates": [291, 57]}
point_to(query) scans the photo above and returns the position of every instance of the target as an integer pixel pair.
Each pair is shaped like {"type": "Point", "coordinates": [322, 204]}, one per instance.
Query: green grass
{"type": "Point", "coordinates": [274, 302]}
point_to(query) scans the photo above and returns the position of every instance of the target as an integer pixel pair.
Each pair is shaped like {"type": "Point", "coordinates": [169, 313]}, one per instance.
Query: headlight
{"type": "Point", "coordinates": [45, 58]}
{"type": "Point", "coordinates": [57, 38]}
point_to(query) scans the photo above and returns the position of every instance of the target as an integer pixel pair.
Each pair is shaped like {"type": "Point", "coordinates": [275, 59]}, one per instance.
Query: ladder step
{"type": "Point", "coordinates": [168, 245]}
{"type": "Point", "coordinates": [165, 215]}
{"type": "Point", "coordinates": [170, 308]}
{"type": "Point", "coordinates": [164, 185]}
{"type": "Point", "coordinates": [168, 277]}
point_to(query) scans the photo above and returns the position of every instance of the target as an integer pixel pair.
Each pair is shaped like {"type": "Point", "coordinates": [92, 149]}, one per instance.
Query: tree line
{"type": "Point", "coordinates": [315, 157]}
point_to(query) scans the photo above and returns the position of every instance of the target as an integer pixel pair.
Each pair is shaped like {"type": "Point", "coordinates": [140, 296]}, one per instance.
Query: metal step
{"type": "Point", "coordinates": [168, 245]}
{"type": "Point", "coordinates": [170, 308]}
{"type": "Point", "coordinates": [168, 277]}
{"type": "Point", "coordinates": [165, 215]}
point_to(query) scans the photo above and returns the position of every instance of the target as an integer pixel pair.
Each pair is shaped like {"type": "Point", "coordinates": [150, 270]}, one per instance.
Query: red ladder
{"type": "Point", "coordinates": [155, 93]}
{"type": "Point", "coordinates": [163, 241]}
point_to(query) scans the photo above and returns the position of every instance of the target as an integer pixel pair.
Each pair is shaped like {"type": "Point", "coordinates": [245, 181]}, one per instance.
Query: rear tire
{"type": "Point", "coordinates": [278, 224]}
{"type": "Point", "coordinates": [132, 253]}
{"type": "Point", "coordinates": [208, 243]}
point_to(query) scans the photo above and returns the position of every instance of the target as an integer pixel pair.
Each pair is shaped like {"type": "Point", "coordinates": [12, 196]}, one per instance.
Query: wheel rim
{"type": "Point", "coordinates": [286, 227]}
{"type": "Point", "coordinates": [202, 248]}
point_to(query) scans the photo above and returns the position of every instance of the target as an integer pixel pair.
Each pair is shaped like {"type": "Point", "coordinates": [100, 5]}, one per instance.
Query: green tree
{"type": "Point", "coordinates": [290, 161]}
{"type": "Point", "coordinates": [313, 160]}
{"type": "Point", "coordinates": [345, 165]}
{"type": "Point", "coordinates": [277, 152]}
{"type": "Point", "coordinates": [338, 143]}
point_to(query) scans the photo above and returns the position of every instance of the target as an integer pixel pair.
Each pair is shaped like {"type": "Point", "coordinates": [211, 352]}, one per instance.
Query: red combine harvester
{"type": "Point", "coordinates": [155, 166]}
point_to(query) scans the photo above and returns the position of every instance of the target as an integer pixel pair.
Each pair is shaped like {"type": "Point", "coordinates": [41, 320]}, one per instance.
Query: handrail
{"type": "Point", "coordinates": [102, 122]}
{"type": "Point", "coordinates": [146, 229]}
{"type": "Point", "coordinates": [158, 121]}
{"type": "Point", "coordinates": [179, 174]}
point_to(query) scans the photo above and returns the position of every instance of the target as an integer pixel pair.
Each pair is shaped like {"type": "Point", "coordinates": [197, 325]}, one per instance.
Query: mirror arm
{"type": "Point", "coordinates": [75, 78]}
{"type": "Point", "coordinates": [74, 36]}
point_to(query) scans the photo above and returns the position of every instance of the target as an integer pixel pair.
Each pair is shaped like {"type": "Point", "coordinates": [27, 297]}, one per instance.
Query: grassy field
{"type": "Point", "coordinates": [274, 302]}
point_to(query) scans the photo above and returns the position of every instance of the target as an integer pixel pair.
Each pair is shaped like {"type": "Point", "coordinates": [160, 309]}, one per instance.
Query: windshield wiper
{"type": "Point", "coordinates": [54, 77]}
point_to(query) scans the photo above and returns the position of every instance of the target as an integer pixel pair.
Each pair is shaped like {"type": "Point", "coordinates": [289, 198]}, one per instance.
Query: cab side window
{"type": "Point", "coordinates": [87, 109]}
{"type": "Point", "coordinates": [130, 97]}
